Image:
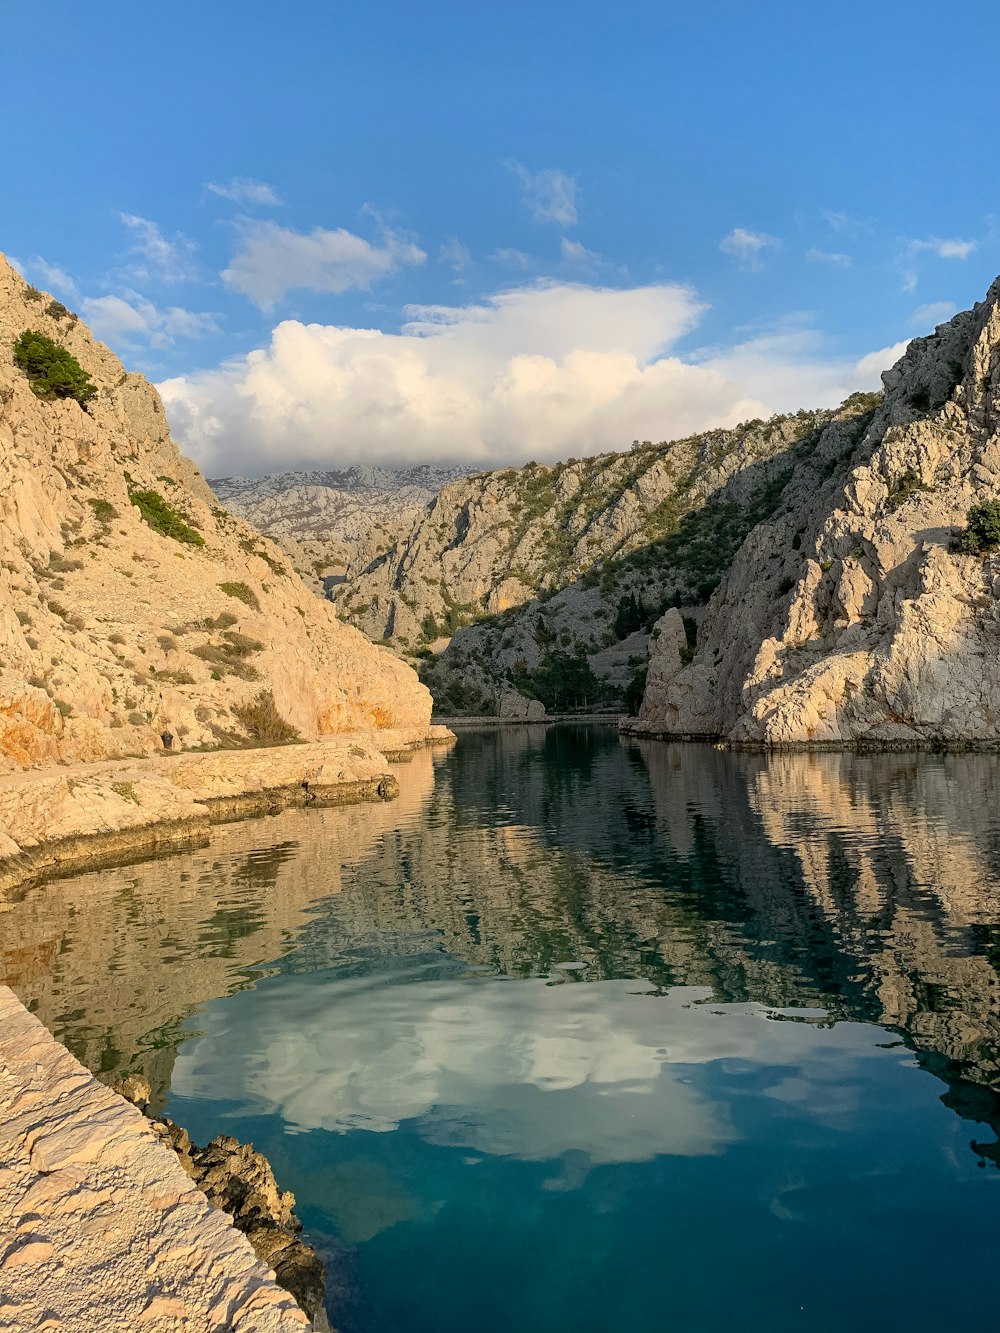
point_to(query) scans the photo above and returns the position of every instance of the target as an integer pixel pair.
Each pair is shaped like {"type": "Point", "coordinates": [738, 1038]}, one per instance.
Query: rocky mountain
{"type": "Point", "coordinates": [131, 603]}
{"type": "Point", "coordinates": [334, 522]}
{"type": "Point", "coordinates": [865, 608]}
{"type": "Point", "coordinates": [533, 588]}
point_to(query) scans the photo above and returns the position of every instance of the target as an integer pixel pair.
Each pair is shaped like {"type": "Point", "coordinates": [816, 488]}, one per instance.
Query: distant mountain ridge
{"type": "Point", "coordinates": [335, 522]}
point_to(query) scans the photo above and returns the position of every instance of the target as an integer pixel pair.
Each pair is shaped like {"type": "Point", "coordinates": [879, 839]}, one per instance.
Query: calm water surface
{"type": "Point", "coordinates": [584, 1035]}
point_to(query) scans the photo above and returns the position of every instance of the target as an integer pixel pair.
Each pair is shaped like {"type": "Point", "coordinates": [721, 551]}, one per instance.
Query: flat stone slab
{"type": "Point", "coordinates": [100, 1229]}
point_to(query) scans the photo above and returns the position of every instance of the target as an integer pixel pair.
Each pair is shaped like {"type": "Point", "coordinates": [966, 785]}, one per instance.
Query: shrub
{"type": "Point", "coordinates": [905, 486]}
{"type": "Point", "coordinates": [242, 592]}
{"type": "Point", "coordinates": [164, 518]}
{"type": "Point", "coordinates": [52, 371]}
{"type": "Point", "coordinates": [262, 722]}
{"type": "Point", "coordinates": [983, 531]}
{"type": "Point", "coordinates": [104, 510]}
{"type": "Point", "coordinates": [58, 311]}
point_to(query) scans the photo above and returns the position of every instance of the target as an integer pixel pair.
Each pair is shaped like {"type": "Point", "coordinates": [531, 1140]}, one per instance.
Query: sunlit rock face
{"type": "Point", "coordinates": [111, 631]}
{"type": "Point", "coordinates": [851, 616]}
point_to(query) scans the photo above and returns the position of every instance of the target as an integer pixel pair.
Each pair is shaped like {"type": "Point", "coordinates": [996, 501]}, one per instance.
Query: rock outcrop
{"type": "Point", "coordinates": [333, 524]}
{"type": "Point", "coordinates": [131, 603]}
{"type": "Point", "coordinates": [852, 615]}
{"type": "Point", "coordinates": [546, 581]}
{"type": "Point", "coordinates": [99, 1225]}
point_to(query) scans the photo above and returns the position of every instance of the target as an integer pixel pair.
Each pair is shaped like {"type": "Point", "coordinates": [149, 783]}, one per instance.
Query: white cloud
{"type": "Point", "coordinates": [168, 259]}
{"type": "Point", "coordinates": [131, 320]}
{"type": "Point", "coordinates": [245, 190]}
{"type": "Point", "coordinates": [540, 371]}
{"type": "Point", "coordinates": [834, 257]}
{"type": "Point", "coordinates": [837, 221]}
{"type": "Point", "coordinates": [514, 258]}
{"type": "Point", "coordinates": [53, 277]}
{"type": "Point", "coordinates": [933, 313]}
{"type": "Point", "coordinates": [868, 370]}
{"type": "Point", "coordinates": [944, 249]}
{"type": "Point", "coordinates": [456, 255]}
{"type": "Point", "coordinates": [274, 260]}
{"type": "Point", "coordinates": [550, 194]}
{"type": "Point", "coordinates": [748, 247]}
{"type": "Point", "coordinates": [577, 253]}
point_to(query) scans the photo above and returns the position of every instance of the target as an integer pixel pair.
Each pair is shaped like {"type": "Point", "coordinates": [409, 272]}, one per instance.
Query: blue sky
{"type": "Point", "coordinates": [451, 231]}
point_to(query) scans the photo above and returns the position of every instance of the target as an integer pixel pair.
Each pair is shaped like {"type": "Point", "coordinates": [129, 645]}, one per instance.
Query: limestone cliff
{"type": "Point", "coordinates": [540, 584]}
{"type": "Point", "coordinates": [131, 603]}
{"type": "Point", "coordinates": [852, 615]}
{"type": "Point", "coordinates": [335, 523]}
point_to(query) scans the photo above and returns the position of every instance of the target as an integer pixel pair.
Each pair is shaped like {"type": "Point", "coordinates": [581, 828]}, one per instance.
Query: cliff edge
{"type": "Point", "coordinates": [132, 604]}
{"type": "Point", "coordinates": [856, 614]}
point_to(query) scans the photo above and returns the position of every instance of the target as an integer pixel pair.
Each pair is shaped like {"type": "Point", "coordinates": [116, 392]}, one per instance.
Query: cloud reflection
{"type": "Point", "coordinates": [520, 1069]}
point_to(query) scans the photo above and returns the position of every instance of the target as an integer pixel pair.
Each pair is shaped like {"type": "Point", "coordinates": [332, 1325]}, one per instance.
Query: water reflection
{"type": "Point", "coordinates": [543, 1039]}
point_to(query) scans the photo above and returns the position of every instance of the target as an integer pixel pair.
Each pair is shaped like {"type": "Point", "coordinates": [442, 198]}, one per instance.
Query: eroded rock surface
{"type": "Point", "coordinates": [100, 1228]}
{"type": "Point", "coordinates": [113, 631]}
{"type": "Point", "coordinates": [851, 616]}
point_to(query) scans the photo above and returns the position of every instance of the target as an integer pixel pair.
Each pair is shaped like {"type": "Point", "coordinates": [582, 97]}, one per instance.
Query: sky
{"type": "Point", "coordinates": [451, 233]}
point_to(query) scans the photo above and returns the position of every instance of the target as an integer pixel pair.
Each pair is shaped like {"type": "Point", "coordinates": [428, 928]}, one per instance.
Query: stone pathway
{"type": "Point", "coordinates": [100, 1229]}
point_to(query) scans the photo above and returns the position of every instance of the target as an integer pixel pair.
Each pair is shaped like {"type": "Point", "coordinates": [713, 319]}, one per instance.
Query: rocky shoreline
{"type": "Point", "coordinates": [102, 1227]}
{"type": "Point", "coordinates": [52, 821]}
{"type": "Point", "coordinates": [239, 1181]}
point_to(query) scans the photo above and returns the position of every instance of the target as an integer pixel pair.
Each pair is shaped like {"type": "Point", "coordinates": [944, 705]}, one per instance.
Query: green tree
{"type": "Point", "coordinates": [52, 371]}
{"type": "Point", "coordinates": [983, 531]}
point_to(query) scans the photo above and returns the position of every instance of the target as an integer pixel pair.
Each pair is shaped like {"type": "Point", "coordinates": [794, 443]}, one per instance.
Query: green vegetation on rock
{"type": "Point", "coordinates": [52, 371]}
{"type": "Point", "coordinates": [164, 518]}
{"type": "Point", "coordinates": [983, 530]}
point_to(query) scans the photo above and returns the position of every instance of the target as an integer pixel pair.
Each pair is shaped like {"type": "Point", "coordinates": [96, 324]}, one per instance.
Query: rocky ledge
{"type": "Point", "coordinates": [237, 1179]}
{"type": "Point", "coordinates": [100, 1227]}
{"type": "Point", "coordinates": [53, 819]}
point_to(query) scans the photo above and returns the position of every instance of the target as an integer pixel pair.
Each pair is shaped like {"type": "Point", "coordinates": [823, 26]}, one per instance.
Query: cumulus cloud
{"type": "Point", "coordinates": [869, 369]}
{"type": "Point", "coordinates": [131, 320]}
{"type": "Point", "coordinates": [157, 256]}
{"type": "Point", "coordinates": [550, 194]}
{"type": "Point", "coordinates": [834, 257]}
{"type": "Point", "coordinates": [541, 371]}
{"type": "Point", "coordinates": [273, 260]}
{"type": "Point", "coordinates": [748, 247]}
{"type": "Point", "coordinates": [245, 190]}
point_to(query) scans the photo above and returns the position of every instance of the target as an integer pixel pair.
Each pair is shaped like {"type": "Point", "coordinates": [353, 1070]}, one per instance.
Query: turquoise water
{"type": "Point", "coordinates": [584, 1035]}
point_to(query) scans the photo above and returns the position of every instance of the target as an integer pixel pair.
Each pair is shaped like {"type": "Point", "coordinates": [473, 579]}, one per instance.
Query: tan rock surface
{"type": "Point", "coordinates": [99, 1226]}
{"type": "Point", "coordinates": [63, 815]}
{"type": "Point", "coordinates": [851, 616]}
{"type": "Point", "coordinates": [111, 632]}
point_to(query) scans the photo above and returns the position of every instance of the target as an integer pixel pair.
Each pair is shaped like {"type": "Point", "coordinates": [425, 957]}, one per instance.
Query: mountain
{"type": "Point", "coordinates": [132, 603]}
{"type": "Point", "coordinates": [539, 586]}
{"type": "Point", "coordinates": [332, 523]}
{"type": "Point", "coordinates": [864, 609]}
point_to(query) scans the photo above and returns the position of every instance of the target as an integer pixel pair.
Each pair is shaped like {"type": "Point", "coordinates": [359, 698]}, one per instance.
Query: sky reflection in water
{"type": "Point", "coordinates": [583, 1035]}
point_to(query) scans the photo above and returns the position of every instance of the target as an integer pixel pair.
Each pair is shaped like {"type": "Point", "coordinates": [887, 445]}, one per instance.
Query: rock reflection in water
{"type": "Point", "coordinates": [582, 1033]}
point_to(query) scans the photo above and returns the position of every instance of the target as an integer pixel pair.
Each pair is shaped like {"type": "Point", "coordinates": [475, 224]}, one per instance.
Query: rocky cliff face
{"type": "Point", "coordinates": [540, 584]}
{"type": "Point", "coordinates": [334, 523]}
{"type": "Point", "coordinates": [131, 603]}
{"type": "Point", "coordinates": [851, 616]}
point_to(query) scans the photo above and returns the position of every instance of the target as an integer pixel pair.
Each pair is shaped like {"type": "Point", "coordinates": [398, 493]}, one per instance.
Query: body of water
{"type": "Point", "coordinates": [583, 1034]}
